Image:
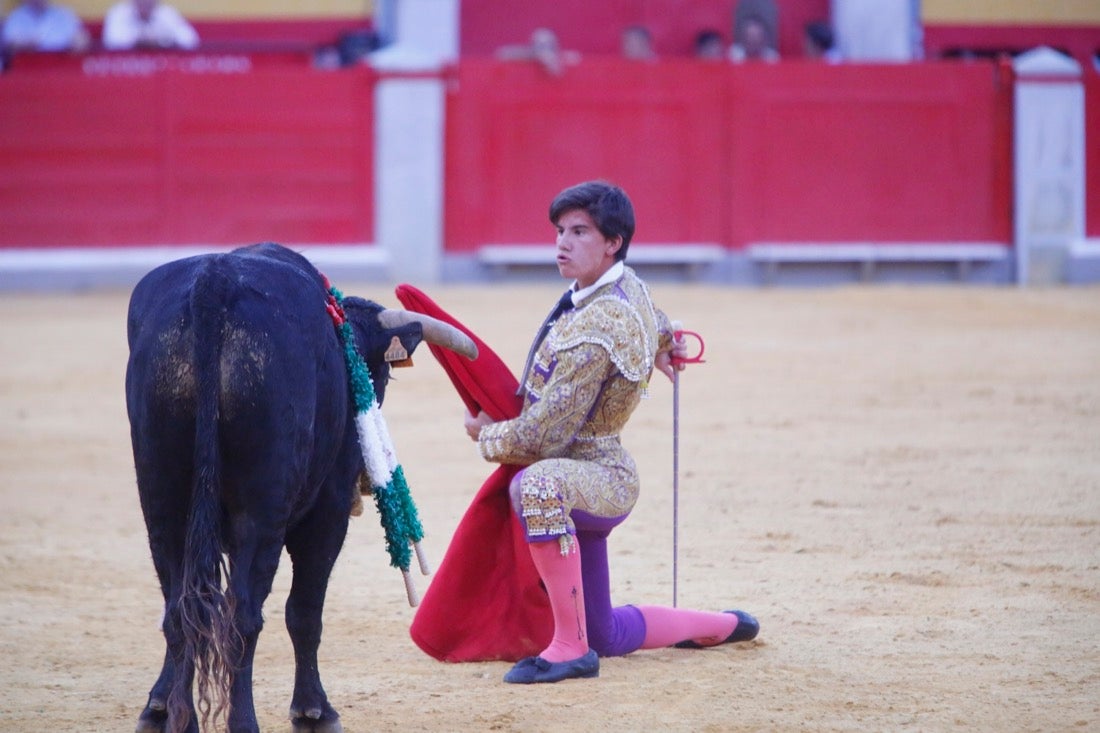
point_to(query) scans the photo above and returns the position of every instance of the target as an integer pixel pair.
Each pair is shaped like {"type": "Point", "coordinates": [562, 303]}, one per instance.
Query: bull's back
{"type": "Point", "coordinates": [249, 331]}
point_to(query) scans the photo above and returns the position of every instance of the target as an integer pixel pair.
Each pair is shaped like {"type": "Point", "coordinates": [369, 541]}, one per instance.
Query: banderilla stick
{"type": "Point", "coordinates": [410, 588]}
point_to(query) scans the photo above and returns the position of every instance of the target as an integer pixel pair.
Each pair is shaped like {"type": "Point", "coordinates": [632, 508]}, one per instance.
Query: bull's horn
{"type": "Point", "coordinates": [435, 331]}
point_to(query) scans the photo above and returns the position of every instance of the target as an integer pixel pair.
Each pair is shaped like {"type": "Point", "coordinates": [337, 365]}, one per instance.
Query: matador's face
{"type": "Point", "coordinates": [584, 253]}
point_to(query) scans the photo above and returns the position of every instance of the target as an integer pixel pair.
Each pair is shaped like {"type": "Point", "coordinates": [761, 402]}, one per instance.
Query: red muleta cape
{"type": "Point", "coordinates": [486, 601]}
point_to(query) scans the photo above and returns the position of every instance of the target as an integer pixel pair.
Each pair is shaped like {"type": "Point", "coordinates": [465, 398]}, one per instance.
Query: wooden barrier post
{"type": "Point", "coordinates": [1049, 153]}
{"type": "Point", "coordinates": [409, 124]}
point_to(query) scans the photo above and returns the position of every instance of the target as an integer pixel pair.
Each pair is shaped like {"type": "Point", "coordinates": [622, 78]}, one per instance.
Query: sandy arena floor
{"type": "Point", "coordinates": [903, 484]}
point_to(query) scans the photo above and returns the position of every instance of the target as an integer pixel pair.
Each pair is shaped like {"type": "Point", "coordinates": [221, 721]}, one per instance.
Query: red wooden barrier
{"type": "Point", "coordinates": [185, 149]}
{"type": "Point", "coordinates": [209, 149]}
{"type": "Point", "coordinates": [734, 154]}
{"type": "Point", "coordinates": [515, 137]}
{"type": "Point", "coordinates": [908, 153]}
{"type": "Point", "coordinates": [1092, 153]}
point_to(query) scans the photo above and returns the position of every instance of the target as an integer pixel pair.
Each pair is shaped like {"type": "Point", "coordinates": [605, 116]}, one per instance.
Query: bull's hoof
{"type": "Point", "coordinates": [154, 718]}
{"type": "Point", "coordinates": [315, 721]}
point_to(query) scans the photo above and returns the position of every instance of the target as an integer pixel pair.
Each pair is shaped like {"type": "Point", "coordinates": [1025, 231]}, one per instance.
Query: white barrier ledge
{"type": "Point", "coordinates": [688, 255]}
{"type": "Point", "coordinates": [1085, 248]}
{"type": "Point", "coordinates": [868, 254]}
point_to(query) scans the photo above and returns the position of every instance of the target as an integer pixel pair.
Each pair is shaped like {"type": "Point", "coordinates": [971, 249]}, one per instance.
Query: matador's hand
{"type": "Point", "coordinates": [474, 423]}
{"type": "Point", "coordinates": [672, 361]}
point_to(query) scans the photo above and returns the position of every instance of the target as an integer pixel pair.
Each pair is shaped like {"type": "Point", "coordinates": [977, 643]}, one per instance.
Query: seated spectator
{"type": "Point", "coordinates": [350, 49]}
{"type": "Point", "coordinates": [753, 43]}
{"type": "Point", "coordinates": [39, 25]}
{"type": "Point", "coordinates": [543, 49]}
{"type": "Point", "coordinates": [878, 31]}
{"type": "Point", "coordinates": [818, 42]}
{"type": "Point", "coordinates": [147, 24]}
{"type": "Point", "coordinates": [709, 45]}
{"type": "Point", "coordinates": [637, 44]}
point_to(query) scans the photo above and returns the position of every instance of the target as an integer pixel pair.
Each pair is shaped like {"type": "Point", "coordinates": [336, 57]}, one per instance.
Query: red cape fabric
{"type": "Point", "coordinates": [486, 601]}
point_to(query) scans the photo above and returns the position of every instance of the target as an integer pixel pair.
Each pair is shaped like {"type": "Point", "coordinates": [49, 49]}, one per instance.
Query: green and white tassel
{"type": "Point", "coordinates": [396, 509]}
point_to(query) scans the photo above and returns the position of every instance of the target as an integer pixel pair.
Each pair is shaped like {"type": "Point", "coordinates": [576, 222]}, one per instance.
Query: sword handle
{"type": "Point", "coordinates": [678, 334]}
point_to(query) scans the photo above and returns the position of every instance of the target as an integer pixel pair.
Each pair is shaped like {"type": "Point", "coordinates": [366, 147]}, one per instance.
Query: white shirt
{"type": "Point", "coordinates": [613, 273]}
{"type": "Point", "coordinates": [53, 28]}
{"type": "Point", "coordinates": [166, 28]}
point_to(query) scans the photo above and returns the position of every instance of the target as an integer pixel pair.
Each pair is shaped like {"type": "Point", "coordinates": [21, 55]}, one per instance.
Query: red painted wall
{"type": "Point", "coordinates": [185, 149]}
{"type": "Point", "coordinates": [515, 137]}
{"type": "Point", "coordinates": [1092, 153]}
{"type": "Point", "coordinates": [734, 154]}
{"type": "Point", "coordinates": [710, 152]}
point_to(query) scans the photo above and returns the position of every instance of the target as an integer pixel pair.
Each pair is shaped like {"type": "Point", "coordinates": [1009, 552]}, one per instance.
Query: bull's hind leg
{"type": "Point", "coordinates": [154, 718]}
{"type": "Point", "coordinates": [163, 490]}
{"type": "Point", "coordinates": [254, 560]}
{"type": "Point", "coordinates": [313, 546]}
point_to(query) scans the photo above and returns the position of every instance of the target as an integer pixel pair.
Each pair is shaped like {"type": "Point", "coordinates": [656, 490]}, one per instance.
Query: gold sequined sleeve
{"type": "Point", "coordinates": [664, 330]}
{"type": "Point", "coordinates": [546, 428]}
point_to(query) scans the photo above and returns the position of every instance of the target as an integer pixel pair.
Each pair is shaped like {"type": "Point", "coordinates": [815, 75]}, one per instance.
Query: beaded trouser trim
{"type": "Point", "coordinates": [543, 509]}
{"type": "Point", "coordinates": [549, 490]}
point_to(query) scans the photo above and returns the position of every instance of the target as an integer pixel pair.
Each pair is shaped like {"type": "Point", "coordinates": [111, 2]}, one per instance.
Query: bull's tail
{"type": "Point", "coordinates": [211, 643]}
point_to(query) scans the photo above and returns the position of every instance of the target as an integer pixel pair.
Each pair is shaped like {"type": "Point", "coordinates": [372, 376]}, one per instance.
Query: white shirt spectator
{"type": "Point", "coordinates": [37, 25]}
{"type": "Point", "coordinates": [878, 30]}
{"type": "Point", "coordinates": [147, 24]}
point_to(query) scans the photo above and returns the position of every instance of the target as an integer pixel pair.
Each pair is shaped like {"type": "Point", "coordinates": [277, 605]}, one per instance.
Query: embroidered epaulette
{"type": "Point", "coordinates": [613, 323]}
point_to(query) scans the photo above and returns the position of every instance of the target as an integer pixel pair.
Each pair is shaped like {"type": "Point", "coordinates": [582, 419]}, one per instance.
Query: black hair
{"type": "Point", "coordinates": [607, 204]}
{"type": "Point", "coordinates": [707, 36]}
{"type": "Point", "coordinates": [821, 34]}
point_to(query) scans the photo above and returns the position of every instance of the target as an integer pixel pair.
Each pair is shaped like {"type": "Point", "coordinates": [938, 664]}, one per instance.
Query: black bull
{"type": "Point", "coordinates": [243, 428]}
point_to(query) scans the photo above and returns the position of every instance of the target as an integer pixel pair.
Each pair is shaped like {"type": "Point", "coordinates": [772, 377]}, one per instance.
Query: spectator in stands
{"type": "Point", "coordinates": [637, 44]}
{"type": "Point", "coordinates": [878, 30]}
{"type": "Point", "coordinates": [147, 24]}
{"type": "Point", "coordinates": [818, 42]}
{"type": "Point", "coordinates": [709, 45]}
{"type": "Point", "coordinates": [544, 49]}
{"type": "Point", "coordinates": [39, 25]}
{"type": "Point", "coordinates": [753, 43]}
{"type": "Point", "coordinates": [352, 48]}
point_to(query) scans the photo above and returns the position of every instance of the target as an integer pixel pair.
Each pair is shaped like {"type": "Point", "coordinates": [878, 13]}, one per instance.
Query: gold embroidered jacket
{"type": "Point", "coordinates": [587, 378]}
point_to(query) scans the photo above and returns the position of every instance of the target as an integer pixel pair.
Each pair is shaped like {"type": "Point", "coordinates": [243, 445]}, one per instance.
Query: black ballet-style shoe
{"type": "Point", "coordinates": [536, 669]}
{"type": "Point", "coordinates": [746, 630]}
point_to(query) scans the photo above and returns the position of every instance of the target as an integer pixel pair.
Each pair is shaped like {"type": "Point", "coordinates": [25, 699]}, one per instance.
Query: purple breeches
{"type": "Point", "coordinates": [612, 632]}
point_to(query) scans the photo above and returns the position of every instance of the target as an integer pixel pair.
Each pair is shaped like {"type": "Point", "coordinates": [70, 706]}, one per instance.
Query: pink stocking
{"type": "Point", "coordinates": [667, 626]}
{"type": "Point", "coordinates": [561, 574]}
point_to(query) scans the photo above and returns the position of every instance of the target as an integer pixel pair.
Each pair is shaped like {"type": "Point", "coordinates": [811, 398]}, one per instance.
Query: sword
{"type": "Point", "coordinates": [678, 334]}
